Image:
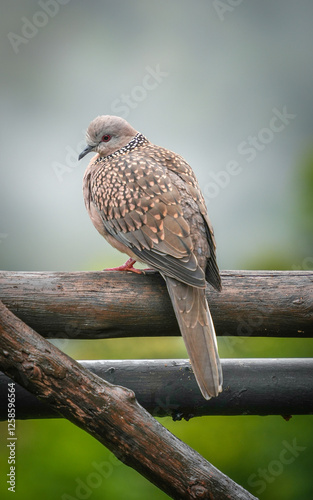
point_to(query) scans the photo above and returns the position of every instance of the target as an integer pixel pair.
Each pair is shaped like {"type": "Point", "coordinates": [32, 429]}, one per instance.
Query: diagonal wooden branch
{"type": "Point", "coordinates": [109, 413]}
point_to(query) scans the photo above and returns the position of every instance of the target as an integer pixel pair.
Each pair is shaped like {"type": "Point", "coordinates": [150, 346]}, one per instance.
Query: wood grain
{"type": "Point", "coordinates": [111, 414]}
{"type": "Point", "coordinates": [168, 388]}
{"type": "Point", "coordinates": [112, 304]}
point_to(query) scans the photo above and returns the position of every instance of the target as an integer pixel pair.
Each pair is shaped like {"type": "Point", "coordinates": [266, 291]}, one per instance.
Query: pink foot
{"type": "Point", "coordinates": [128, 266]}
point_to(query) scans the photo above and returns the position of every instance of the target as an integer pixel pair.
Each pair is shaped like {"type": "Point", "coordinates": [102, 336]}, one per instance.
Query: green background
{"type": "Point", "coordinates": [224, 67]}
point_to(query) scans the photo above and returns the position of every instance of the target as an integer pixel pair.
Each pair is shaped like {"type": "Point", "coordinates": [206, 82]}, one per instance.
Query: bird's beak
{"type": "Point", "coordinates": [87, 150]}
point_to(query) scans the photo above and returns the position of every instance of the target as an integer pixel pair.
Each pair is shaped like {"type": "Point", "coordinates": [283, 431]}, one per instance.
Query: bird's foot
{"type": "Point", "coordinates": [128, 266]}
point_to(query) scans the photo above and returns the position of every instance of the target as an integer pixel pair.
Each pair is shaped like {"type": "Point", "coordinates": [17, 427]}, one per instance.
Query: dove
{"type": "Point", "coordinates": [146, 202]}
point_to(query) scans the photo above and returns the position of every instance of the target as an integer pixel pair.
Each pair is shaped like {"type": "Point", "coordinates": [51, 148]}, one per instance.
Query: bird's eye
{"type": "Point", "coordinates": [105, 138]}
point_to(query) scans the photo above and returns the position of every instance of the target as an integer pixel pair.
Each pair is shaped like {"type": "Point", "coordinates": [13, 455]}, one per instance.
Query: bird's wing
{"type": "Point", "coordinates": [140, 207]}
{"type": "Point", "coordinates": [178, 165]}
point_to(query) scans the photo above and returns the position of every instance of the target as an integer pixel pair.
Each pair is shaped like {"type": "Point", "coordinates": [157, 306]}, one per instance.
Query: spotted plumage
{"type": "Point", "coordinates": [146, 201]}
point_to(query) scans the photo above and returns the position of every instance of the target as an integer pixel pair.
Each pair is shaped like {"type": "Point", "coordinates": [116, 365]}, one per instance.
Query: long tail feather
{"type": "Point", "coordinates": [197, 329]}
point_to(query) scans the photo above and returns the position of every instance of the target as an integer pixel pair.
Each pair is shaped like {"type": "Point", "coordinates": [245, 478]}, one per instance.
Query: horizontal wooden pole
{"type": "Point", "coordinates": [110, 304]}
{"type": "Point", "coordinates": [168, 388]}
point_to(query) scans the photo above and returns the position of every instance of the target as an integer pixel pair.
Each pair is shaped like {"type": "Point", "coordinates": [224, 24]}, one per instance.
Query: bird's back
{"type": "Point", "coordinates": [137, 180]}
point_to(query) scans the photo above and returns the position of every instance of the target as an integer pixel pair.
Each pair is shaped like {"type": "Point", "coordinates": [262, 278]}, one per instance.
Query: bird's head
{"type": "Point", "coordinates": [107, 134]}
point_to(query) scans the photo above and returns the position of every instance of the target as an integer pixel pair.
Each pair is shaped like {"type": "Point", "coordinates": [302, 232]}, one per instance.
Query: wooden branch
{"type": "Point", "coordinates": [109, 413]}
{"type": "Point", "coordinates": [115, 304]}
{"type": "Point", "coordinates": [168, 388]}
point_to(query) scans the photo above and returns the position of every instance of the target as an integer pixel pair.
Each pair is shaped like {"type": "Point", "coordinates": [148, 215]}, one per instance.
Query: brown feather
{"type": "Point", "coordinates": [196, 326]}
{"type": "Point", "coordinates": [146, 201]}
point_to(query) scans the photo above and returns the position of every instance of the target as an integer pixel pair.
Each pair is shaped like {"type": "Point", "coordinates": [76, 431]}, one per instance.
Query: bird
{"type": "Point", "coordinates": [146, 202]}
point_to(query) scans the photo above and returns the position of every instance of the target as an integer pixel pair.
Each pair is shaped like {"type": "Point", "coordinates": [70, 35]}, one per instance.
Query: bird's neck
{"type": "Point", "coordinates": [136, 142]}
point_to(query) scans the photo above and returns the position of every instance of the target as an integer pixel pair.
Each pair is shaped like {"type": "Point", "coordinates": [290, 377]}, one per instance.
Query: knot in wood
{"type": "Point", "coordinates": [199, 490]}
{"type": "Point", "coordinates": [126, 393]}
{"type": "Point", "coordinates": [298, 302]}
{"type": "Point", "coordinates": [35, 372]}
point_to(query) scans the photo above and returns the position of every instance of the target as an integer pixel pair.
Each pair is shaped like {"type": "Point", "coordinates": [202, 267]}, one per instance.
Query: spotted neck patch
{"type": "Point", "coordinates": [138, 140]}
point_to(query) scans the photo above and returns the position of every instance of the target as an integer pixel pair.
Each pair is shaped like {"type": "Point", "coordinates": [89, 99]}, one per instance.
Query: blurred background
{"type": "Point", "coordinates": [228, 85]}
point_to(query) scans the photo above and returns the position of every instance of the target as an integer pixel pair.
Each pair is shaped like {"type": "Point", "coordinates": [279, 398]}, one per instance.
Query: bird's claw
{"type": "Point", "coordinates": [128, 266]}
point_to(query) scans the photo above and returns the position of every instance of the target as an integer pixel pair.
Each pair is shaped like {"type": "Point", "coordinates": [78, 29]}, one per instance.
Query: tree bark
{"type": "Point", "coordinates": [168, 388]}
{"type": "Point", "coordinates": [115, 304]}
{"type": "Point", "coordinates": [109, 413]}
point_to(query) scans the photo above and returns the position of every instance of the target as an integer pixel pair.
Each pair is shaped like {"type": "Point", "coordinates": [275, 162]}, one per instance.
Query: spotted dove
{"type": "Point", "coordinates": [146, 202]}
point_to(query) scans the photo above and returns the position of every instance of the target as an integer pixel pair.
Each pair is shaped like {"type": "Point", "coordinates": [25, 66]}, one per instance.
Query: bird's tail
{"type": "Point", "coordinates": [197, 329]}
